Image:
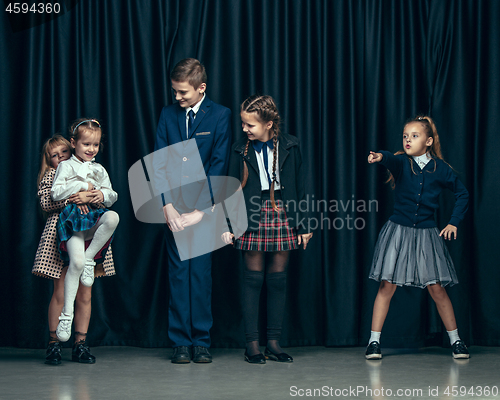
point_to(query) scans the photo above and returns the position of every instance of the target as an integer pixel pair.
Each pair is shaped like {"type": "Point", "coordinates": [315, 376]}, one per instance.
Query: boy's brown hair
{"type": "Point", "coordinates": [189, 70]}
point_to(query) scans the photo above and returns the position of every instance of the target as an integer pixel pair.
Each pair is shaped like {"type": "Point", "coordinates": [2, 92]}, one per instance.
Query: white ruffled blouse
{"type": "Point", "coordinates": [73, 176]}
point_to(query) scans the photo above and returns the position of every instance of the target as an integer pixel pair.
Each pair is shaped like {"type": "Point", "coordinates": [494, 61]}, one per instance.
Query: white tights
{"type": "Point", "coordinates": [100, 234]}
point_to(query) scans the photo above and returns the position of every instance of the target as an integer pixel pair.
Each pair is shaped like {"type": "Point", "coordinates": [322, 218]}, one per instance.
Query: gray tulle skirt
{"type": "Point", "coordinates": [412, 257]}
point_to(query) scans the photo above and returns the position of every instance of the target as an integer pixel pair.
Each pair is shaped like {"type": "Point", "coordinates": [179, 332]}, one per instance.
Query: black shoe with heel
{"type": "Point", "coordinates": [280, 357]}
{"type": "Point", "coordinates": [255, 359]}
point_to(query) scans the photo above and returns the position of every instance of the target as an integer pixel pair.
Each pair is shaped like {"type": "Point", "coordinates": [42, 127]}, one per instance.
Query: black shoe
{"type": "Point", "coordinates": [373, 351]}
{"type": "Point", "coordinates": [81, 353]}
{"type": "Point", "coordinates": [281, 357]}
{"type": "Point", "coordinates": [460, 350]}
{"type": "Point", "coordinates": [255, 359]}
{"type": "Point", "coordinates": [201, 355]}
{"type": "Point", "coordinates": [53, 353]}
{"type": "Point", "coordinates": [181, 355]}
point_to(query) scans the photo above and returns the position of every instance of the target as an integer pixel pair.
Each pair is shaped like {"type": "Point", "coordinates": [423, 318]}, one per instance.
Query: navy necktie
{"type": "Point", "coordinates": [191, 115]}
{"type": "Point", "coordinates": [258, 145]}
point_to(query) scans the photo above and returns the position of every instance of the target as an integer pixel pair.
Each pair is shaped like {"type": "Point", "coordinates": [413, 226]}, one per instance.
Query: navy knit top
{"type": "Point", "coordinates": [417, 191]}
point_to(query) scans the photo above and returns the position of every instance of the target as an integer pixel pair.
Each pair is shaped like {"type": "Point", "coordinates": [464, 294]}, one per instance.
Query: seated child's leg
{"type": "Point", "coordinates": [76, 251]}
{"type": "Point", "coordinates": [101, 233]}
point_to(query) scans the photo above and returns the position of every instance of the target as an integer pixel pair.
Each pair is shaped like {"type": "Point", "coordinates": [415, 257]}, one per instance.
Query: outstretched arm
{"type": "Point", "coordinates": [375, 157]}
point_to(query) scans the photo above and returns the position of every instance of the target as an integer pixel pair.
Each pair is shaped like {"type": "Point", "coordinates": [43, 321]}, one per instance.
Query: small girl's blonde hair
{"type": "Point", "coordinates": [49, 144]}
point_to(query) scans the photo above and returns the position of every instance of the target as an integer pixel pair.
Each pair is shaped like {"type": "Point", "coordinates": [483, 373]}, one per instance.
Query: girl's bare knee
{"type": "Point", "coordinates": [387, 288]}
{"type": "Point", "coordinates": [83, 296]}
{"type": "Point", "coordinates": [437, 292]}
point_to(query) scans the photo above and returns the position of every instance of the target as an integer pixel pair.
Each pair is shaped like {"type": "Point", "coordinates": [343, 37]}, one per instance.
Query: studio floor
{"type": "Point", "coordinates": [137, 373]}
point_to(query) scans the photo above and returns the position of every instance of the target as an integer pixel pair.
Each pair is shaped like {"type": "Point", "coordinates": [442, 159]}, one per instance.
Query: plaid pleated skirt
{"type": "Point", "coordinates": [407, 256]}
{"type": "Point", "coordinates": [274, 232]}
{"type": "Point", "coordinates": [72, 220]}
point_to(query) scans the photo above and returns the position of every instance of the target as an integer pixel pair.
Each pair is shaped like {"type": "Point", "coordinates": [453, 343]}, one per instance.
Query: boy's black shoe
{"type": "Point", "coordinates": [201, 355]}
{"type": "Point", "coordinates": [373, 351]}
{"type": "Point", "coordinates": [181, 355]}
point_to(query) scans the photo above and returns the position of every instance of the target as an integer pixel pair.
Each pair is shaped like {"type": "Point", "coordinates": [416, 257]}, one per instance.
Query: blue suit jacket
{"type": "Point", "coordinates": [212, 132]}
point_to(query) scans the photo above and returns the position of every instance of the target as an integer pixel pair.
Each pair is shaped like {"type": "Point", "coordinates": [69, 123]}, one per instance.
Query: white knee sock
{"type": "Point", "coordinates": [374, 337]}
{"type": "Point", "coordinates": [76, 251]}
{"type": "Point", "coordinates": [104, 230]}
{"type": "Point", "coordinates": [453, 336]}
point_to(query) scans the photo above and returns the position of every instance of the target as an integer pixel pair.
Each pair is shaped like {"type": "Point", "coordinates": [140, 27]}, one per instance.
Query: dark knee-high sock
{"type": "Point", "coordinates": [276, 295]}
{"type": "Point", "coordinates": [252, 285]}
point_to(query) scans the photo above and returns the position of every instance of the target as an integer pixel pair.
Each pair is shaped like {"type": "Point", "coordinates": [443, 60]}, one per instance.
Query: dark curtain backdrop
{"type": "Point", "coordinates": [345, 74]}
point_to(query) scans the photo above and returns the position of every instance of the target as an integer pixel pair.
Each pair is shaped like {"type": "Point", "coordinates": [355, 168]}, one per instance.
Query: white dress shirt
{"type": "Point", "coordinates": [195, 109]}
{"type": "Point", "coordinates": [264, 183]}
{"type": "Point", "coordinates": [422, 160]}
{"type": "Point", "coordinates": [73, 176]}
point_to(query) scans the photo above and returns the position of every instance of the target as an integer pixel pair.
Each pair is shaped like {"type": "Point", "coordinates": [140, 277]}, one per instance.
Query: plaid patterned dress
{"type": "Point", "coordinates": [72, 220]}
{"type": "Point", "coordinates": [274, 232]}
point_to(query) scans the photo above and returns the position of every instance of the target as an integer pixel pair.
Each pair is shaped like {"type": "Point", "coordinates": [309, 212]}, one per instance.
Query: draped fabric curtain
{"type": "Point", "coordinates": [345, 75]}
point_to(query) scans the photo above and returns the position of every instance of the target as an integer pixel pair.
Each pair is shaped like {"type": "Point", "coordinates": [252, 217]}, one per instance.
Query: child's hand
{"type": "Point", "coordinates": [91, 187]}
{"type": "Point", "coordinates": [449, 231]}
{"type": "Point", "coordinates": [96, 196]}
{"type": "Point", "coordinates": [304, 238]}
{"type": "Point", "coordinates": [84, 209]}
{"type": "Point", "coordinates": [173, 218]}
{"type": "Point", "coordinates": [227, 237]}
{"type": "Point", "coordinates": [374, 157]}
{"type": "Point", "coordinates": [80, 198]}
{"type": "Point", "coordinates": [192, 218]}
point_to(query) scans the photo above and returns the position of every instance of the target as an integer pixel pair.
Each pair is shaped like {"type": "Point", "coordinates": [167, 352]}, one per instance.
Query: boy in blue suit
{"type": "Point", "coordinates": [194, 116]}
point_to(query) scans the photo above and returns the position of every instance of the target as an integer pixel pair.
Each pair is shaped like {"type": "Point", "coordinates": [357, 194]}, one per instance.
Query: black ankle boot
{"type": "Point", "coordinates": [53, 353]}
{"type": "Point", "coordinates": [81, 353]}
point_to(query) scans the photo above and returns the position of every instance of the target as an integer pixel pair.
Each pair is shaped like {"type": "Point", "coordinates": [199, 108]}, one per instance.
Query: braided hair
{"type": "Point", "coordinates": [265, 110]}
{"type": "Point", "coordinates": [434, 149]}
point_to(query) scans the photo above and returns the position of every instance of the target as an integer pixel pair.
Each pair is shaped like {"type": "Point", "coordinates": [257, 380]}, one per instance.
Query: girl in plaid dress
{"type": "Point", "coordinates": [83, 237]}
{"type": "Point", "coordinates": [269, 165]}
